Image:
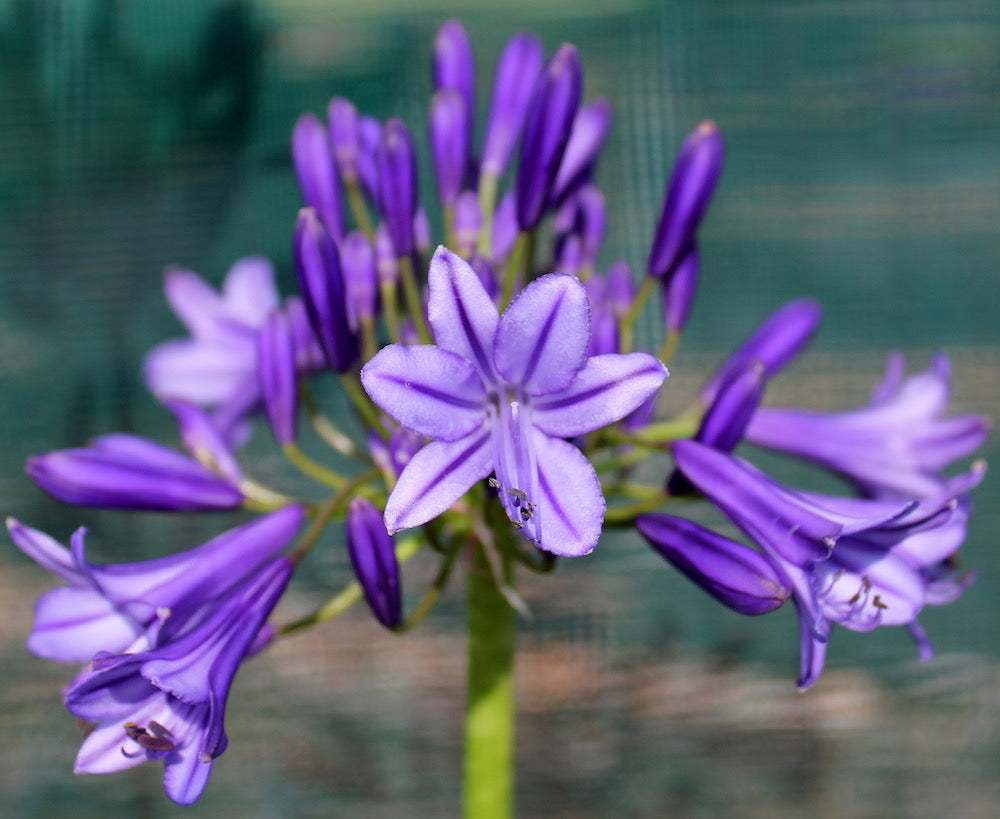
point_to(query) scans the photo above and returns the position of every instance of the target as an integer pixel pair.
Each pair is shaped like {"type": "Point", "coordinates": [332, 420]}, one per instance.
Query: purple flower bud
{"type": "Point", "coordinates": [550, 118]}
{"type": "Point", "coordinates": [309, 356]}
{"type": "Point", "coordinates": [679, 291]}
{"type": "Point", "coordinates": [620, 288]}
{"type": "Point", "coordinates": [725, 421]}
{"type": "Point", "coordinates": [468, 221]}
{"type": "Point", "coordinates": [422, 231]}
{"type": "Point", "coordinates": [373, 556]}
{"type": "Point", "coordinates": [397, 184]}
{"type": "Point", "coordinates": [455, 66]}
{"type": "Point", "coordinates": [775, 342]}
{"type": "Point", "coordinates": [316, 173]}
{"type": "Point", "coordinates": [345, 136]}
{"type": "Point", "coordinates": [357, 258]}
{"type": "Point", "coordinates": [386, 260]}
{"type": "Point", "coordinates": [321, 282]}
{"type": "Point", "coordinates": [570, 258]}
{"type": "Point", "coordinates": [122, 471]}
{"type": "Point", "coordinates": [449, 139]}
{"type": "Point", "coordinates": [695, 174]}
{"type": "Point", "coordinates": [371, 136]}
{"type": "Point", "coordinates": [516, 74]}
{"type": "Point", "coordinates": [276, 369]}
{"type": "Point", "coordinates": [592, 216]}
{"type": "Point", "coordinates": [504, 228]}
{"type": "Point", "coordinates": [735, 575]}
{"type": "Point", "coordinates": [590, 129]}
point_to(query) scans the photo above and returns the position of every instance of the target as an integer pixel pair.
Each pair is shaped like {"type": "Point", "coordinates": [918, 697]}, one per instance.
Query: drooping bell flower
{"type": "Point", "coordinates": [316, 172]}
{"type": "Point", "coordinates": [321, 283]}
{"type": "Point", "coordinates": [897, 444]}
{"type": "Point", "coordinates": [108, 607]}
{"type": "Point", "coordinates": [121, 471]}
{"type": "Point", "coordinates": [373, 556]}
{"type": "Point", "coordinates": [497, 394]}
{"type": "Point", "coordinates": [166, 700]}
{"type": "Point", "coordinates": [696, 172]}
{"type": "Point", "coordinates": [735, 575]}
{"type": "Point", "coordinates": [550, 119]}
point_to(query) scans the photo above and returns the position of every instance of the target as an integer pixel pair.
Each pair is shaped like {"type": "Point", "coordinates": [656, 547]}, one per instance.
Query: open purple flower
{"type": "Point", "coordinates": [216, 366]}
{"type": "Point", "coordinates": [854, 562]}
{"type": "Point", "coordinates": [895, 445]}
{"type": "Point", "coordinates": [497, 394]}
{"type": "Point", "coordinates": [106, 608]}
{"type": "Point", "coordinates": [165, 699]}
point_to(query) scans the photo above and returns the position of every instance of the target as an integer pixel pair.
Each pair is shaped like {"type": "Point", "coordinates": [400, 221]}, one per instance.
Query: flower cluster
{"type": "Point", "coordinates": [503, 407]}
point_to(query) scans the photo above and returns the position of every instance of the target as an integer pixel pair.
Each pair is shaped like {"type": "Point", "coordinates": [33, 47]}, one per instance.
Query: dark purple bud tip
{"type": "Point", "coordinates": [373, 556]}
{"type": "Point", "coordinates": [550, 119]}
{"type": "Point", "coordinates": [695, 175]}
{"type": "Point", "coordinates": [735, 575]}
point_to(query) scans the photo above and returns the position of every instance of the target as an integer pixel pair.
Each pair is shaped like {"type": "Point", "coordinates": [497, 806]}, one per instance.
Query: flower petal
{"type": "Point", "coordinates": [541, 342]}
{"type": "Point", "coordinates": [249, 290]}
{"type": "Point", "coordinates": [436, 477]}
{"type": "Point", "coordinates": [570, 503]}
{"type": "Point", "coordinates": [431, 391]}
{"type": "Point", "coordinates": [608, 388]}
{"type": "Point", "coordinates": [73, 624]}
{"type": "Point", "coordinates": [460, 312]}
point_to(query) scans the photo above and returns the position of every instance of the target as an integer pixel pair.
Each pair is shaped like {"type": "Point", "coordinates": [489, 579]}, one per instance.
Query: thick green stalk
{"type": "Point", "coordinates": [489, 710]}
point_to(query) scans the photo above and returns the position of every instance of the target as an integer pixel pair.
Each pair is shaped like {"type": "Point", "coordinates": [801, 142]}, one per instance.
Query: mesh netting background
{"type": "Point", "coordinates": [862, 170]}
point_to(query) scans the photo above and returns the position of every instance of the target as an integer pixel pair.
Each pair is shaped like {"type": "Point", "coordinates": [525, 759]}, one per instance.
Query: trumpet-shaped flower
{"type": "Point", "coordinates": [498, 394]}
{"type": "Point", "coordinates": [895, 445]}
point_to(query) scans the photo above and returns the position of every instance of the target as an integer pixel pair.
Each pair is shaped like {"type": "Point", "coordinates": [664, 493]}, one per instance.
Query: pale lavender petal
{"type": "Point", "coordinates": [203, 372]}
{"type": "Point", "coordinates": [345, 136]}
{"type": "Point", "coordinates": [570, 504]}
{"type": "Point", "coordinates": [194, 301]}
{"type": "Point", "coordinates": [541, 341]}
{"type": "Point", "coordinates": [468, 222]}
{"type": "Point", "coordinates": [46, 551]}
{"type": "Point", "coordinates": [813, 652]}
{"type": "Point", "coordinates": [460, 312]}
{"type": "Point", "coordinates": [607, 389]}
{"type": "Point", "coordinates": [436, 477]}
{"type": "Point", "coordinates": [249, 291]}
{"type": "Point", "coordinates": [429, 390]}
{"type": "Point", "coordinates": [73, 624]}
{"type": "Point", "coordinates": [202, 438]}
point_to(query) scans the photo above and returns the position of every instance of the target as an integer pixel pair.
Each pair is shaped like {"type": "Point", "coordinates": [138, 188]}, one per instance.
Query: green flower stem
{"type": "Point", "coordinates": [390, 309]}
{"type": "Point", "coordinates": [487, 202]}
{"type": "Point", "coordinates": [489, 711]}
{"type": "Point", "coordinates": [362, 403]}
{"type": "Point", "coordinates": [625, 515]}
{"type": "Point", "coordinates": [314, 470]}
{"type": "Point", "coordinates": [359, 209]}
{"type": "Point", "coordinates": [627, 327]}
{"type": "Point", "coordinates": [521, 262]}
{"type": "Point", "coordinates": [413, 301]}
{"type": "Point", "coordinates": [328, 431]}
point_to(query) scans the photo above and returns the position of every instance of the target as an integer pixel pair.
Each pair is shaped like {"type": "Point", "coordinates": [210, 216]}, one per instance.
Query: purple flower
{"type": "Point", "coordinates": [454, 67]}
{"type": "Point", "coordinates": [357, 259]}
{"type": "Point", "coordinates": [774, 343]}
{"type": "Point", "coordinates": [373, 556]}
{"type": "Point", "coordinates": [546, 132]}
{"type": "Point", "coordinates": [897, 444]}
{"type": "Point", "coordinates": [497, 394]}
{"type": "Point", "coordinates": [201, 437]}
{"type": "Point", "coordinates": [314, 167]}
{"type": "Point", "coordinates": [217, 365]}
{"type": "Point", "coordinates": [450, 142]}
{"type": "Point", "coordinates": [590, 129]}
{"type": "Point", "coordinates": [695, 175]}
{"type": "Point", "coordinates": [854, 562]}
{"type": "Point", "coordinates": [122, 471]}
{"type": "Point", "coordinates": [679, 292]}
{"type": "Point", "coordinates": [738, 577]}
{"type": "Point", "coordinates": [276, 357]}
{"type": "Point", "coordinates": [345, 136]}
{"type": "Point", "coordinates": [106, 608]}
{"type": "Point", "coordinates": [165, 699]}
{"type": "Point", "coordinates": [321, 282]}
{"type": "Point", "coordinates": [517, 71]}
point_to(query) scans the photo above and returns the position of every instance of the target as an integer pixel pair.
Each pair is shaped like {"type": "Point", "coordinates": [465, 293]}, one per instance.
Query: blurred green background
{"type": "Point", "coordinates": [863, 169]}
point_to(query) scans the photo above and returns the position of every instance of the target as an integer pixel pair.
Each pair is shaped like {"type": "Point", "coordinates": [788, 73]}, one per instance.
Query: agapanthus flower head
{"type": "Point", "coordinates": [497, 394]}
{"type": "Point", "coordinates": [898, 444]}
{"type": "Point", "coordinates": [121, 471]}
